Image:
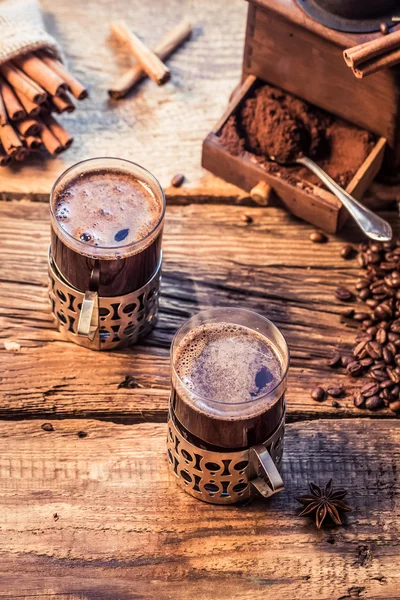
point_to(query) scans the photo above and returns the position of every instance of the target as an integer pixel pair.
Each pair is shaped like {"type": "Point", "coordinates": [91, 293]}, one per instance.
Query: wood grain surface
{"type": "Point", "coordinates": [211, 258]}
{"type": "Point", "coordinates": [161, 128]}
{"type": "Point", "coordinates": [100, 517]}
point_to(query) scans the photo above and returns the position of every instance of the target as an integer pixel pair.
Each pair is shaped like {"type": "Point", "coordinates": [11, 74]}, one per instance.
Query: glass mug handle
{"type": "Point", "coordinates": [88, 323]}
{"type": "Point", "coordinates": [262, 463]}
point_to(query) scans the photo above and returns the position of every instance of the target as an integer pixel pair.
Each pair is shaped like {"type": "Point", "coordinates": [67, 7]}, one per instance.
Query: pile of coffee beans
{"type": "Point", "coordinates": [376, 353]}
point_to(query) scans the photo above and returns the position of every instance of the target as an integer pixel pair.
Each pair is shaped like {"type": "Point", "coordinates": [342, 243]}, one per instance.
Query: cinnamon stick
{"type": "Point", "coordinates": [28, 127]}
{"type": "Point", "coordinates": [376, 64]}
{"type": "Point", "coordinates": [63, 136]}
{"type": "Point", "coordinates": [31, 108]}
{"type": "Point", "coordinates": [150, 62]}
{"type": "Point", "coordinates": [369, 50]}
{"type": "Point", "coordinates": [14, 108]}
{"type": "Point", "coordinates": [175, 38]}
{"type": "Point", "coordinates": [39, 72]}
{"type": "Point", "coordinates": [9, 139]}
{"type": "Point", "coordinates": [78, 90]}
{"type": "Point", "coordinates": [62, 104]}
{"type": "Point", "coordinates": [33, 142]}
{"type": "Point", "coordinates": [21, 82]}
{"type": "Point", "coordinates": [50, 142]}
{"type": "Point", "coordinates": [3, 111]}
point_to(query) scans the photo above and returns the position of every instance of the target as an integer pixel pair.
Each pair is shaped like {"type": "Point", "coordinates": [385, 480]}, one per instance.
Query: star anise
{"type": "Point", "coordinates": [324, 501]}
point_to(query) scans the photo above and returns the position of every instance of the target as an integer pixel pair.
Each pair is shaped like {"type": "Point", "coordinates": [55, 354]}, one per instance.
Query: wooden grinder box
{"type": "Point", "coordinates": [286, 48]}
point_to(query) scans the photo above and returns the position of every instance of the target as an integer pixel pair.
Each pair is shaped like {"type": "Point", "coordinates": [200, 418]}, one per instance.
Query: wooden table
{"type": "Point", "coordinates": [89, 510]}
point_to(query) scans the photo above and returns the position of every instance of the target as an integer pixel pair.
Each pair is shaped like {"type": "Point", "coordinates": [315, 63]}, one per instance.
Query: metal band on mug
{"type": "Point", "coordinates": [99, 322]}
{"type": "Point", "coordinates": [225, 477]}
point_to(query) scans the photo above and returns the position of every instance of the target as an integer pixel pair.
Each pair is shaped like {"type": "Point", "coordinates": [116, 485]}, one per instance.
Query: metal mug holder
{"type": "Point", "coordinates": [225, 477]}
{"type": "Point", "coordinates": [100, 322]}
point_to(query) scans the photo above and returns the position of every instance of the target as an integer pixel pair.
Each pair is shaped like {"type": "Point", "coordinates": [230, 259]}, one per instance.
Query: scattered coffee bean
{"type": "Point", "coordinates": [383, 28]}
{"type": "Point", "coordinates": [360, 316]}
{"type": "Point", "coordinates": [348, 251]}
{"type": "Point", "coordinates": [343, 294]}
{"type": "Point", "coordinates": [81, 434]}
{"type": "Point", "coordinates": [387, 356]}
{"type": "Point", "coordinates": [318, 394]}
{"type": "Point", "coordinates": [374, 349]}
{"type": "Point", "coordinates": [317, 237]}
{"type": "Point", "coordinates": [355, 369]}
{"type": "Point", "coordinates": [381, 336]}
{"type": "Point", "coordinates": [348, 313]}
{"type": "Point", "coordinates": [370, 389]}
{"type": "Point", "coordinates": [47, 427]}
{"type": "Point", "coordinates": [177, 180]}
{"type": "Point", "coordinates": [246, 218]}
{"type": "Point", "coordinates": [346, 360]}
{"type": "Point", "coordinates": [373, 403]}
{"type": "Point", "coordinates": [395, 406]}
{"type": "Point", "coordinates": [367, 362]}
{"type": "Point", "coordinates": [335, 391]}
{"type": "Point", "coordinates": [358, 400]}
{"type": "Point", "coordinates": [335, 360]}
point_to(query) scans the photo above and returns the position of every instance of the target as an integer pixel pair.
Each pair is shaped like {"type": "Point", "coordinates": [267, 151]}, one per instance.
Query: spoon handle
{"type": "Point", "coordinates": [370, 223]}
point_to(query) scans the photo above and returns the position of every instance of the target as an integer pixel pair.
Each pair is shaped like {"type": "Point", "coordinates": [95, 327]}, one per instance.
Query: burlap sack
{"type": "Point", "coordinates": [22, 29]}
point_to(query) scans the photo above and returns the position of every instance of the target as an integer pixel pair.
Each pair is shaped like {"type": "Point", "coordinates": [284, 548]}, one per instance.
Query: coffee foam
{"type": "Point", "coordinates": [227, 363]}
{"type": "Point", "coordinates": [106, 208]}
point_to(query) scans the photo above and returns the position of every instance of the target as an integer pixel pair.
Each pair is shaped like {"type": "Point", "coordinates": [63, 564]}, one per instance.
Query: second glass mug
{"type": "Point", "coordinates": [222, 451]}
{"type": "Point", "coordinates": [105, 297]}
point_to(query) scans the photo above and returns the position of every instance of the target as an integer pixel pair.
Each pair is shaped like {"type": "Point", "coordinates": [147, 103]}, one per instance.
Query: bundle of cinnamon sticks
{"type": "Point", "coordinates": [32, 87]}
{"type": "Point", "coordinates": [374, 56]}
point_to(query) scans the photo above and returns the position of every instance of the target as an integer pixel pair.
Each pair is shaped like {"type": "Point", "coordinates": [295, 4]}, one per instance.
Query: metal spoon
{"type": "Point", "coordinates": [371, 224]}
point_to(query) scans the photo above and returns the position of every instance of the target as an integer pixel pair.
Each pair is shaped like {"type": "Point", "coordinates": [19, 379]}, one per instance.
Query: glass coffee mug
{"type": "Point", "coordinates": [107, 217]}
{"type": "Point", "coordinates": [227, 407]}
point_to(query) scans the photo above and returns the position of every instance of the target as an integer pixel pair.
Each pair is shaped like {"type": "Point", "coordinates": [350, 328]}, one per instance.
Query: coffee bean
{"type": "Point", "coordinates": [348, 313]}
{"type": "Point", "coordinates": [374, 258]}
{"type": "Point", "coordinates": [364, 294]}
{"type": "Point", "coordinates": [360, 316]}
{"type": "Point", "coordinates": [177, 180]}
{"type": "Point", "coordinates": [395, 326]}
{"type": "Point", "coordinates": [375, 246]}
{"type": "Point", "coordinates": [359, 348]}
{"type": "Point", "coordinates": [318, 394]}
{"type": "Point", "coordinates": [383, 28]}
{"type": "Point", "coordinates": [370, 389]}
{"type": "Point", "coordinates": [379, 375]}
{"type": "Point", "coordinates": [358, 400]}
{"type": "Point", "coordinates": [372, 330]}
{"type": "Point", "coordinates": [383, 311]}
{"type": "Point", "coordinates": [343, 294]}
{"type": "Point", "coordinates": [374, 349]}
{"type": "Point", "coordinates": [393, 375]}
{"type": "Point", "coordinates": [387, 383]}
{"type": "Point", "coordinates": [381, 336]}
{"type": "Point", "coordinates": [395, 406]}
{"type": "Point", "coordinates": [335, 391]}
{"type": "Point", "coordinates": [362, 284]}
{"type": "Point", "coordinates": [47, 427]}
{"type": "Point", "coordinates": [395, 391]}
{"type": "Point", "coordinates": [373, 403]}
{"type": "Point", "coordinates": [346, 360]}
{"type": "Point", "coordinates": [367, 362]}
{"type": "Point", "coordinates": [355, 369]}
{"type": "Point", "coordinates": [335, 360]}
{"type": "Point", "coordinates": [347, 251]}
{"type": "Point", "coordinates": [372, 302]}
{"type": "Point", "coordinates": [318, 237]}
{"type": "Point", "coordinates": [362, 260]}
{"type": "Point", "coordinates": [387, 356]}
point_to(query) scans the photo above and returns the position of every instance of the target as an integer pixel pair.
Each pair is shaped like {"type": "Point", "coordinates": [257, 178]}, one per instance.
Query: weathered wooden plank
{"type": "Point", "coordinates": [100, 517]}
{"type": "Point", "coordinates": [159, 127]}
{"type": "Point", "coordinates": [212, 258]}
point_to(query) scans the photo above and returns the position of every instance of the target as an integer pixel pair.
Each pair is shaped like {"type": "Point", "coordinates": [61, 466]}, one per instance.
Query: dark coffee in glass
{"type": "Point", "coordinates": [107, 217]}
